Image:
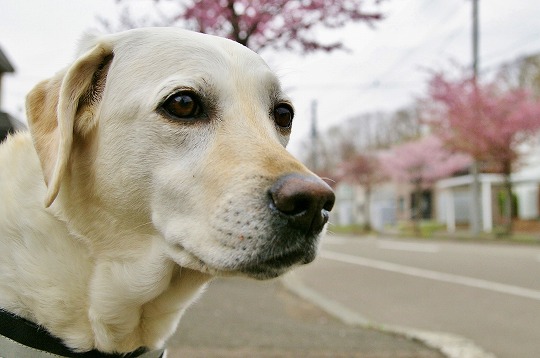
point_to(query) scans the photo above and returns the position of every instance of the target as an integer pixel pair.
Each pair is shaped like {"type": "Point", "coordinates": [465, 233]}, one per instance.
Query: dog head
{"type": "Point", "coordinates": [169, 133]}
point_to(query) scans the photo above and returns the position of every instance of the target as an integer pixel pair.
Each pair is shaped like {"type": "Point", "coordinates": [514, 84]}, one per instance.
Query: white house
{"type": "Point", "coordinates": [451, 200]}
{"type": "Point", "coordinates": [351, 203]}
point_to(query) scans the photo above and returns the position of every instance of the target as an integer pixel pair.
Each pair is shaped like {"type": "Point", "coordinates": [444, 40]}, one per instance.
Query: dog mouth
{"type": "Point", "coordinates": [271, 265]}
{"type": "Point", "coordinates": [263, 263]}
{"type": "Point", "coordinates": [276, 266]}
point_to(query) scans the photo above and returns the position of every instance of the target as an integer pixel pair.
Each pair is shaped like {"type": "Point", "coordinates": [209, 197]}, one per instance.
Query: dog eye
{"type": "Point", "coordinates": [183, 105]}
{"type": "Point", "coordinates": [283, 115]}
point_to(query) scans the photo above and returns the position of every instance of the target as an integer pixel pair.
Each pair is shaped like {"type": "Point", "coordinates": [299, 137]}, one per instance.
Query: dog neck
{"type": "Point", "coordinates": [150, 291]}
{"type": "Point", "coordinates": [140, 313]}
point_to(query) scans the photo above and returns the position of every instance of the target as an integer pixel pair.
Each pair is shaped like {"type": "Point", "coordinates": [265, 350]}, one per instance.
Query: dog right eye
{"type": "Point", "coordinates": [183, 105]}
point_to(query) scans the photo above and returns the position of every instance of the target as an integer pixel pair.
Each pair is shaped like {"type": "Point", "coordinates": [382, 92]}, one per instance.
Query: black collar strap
{"type": "Point", "coordinates": [22, 338]}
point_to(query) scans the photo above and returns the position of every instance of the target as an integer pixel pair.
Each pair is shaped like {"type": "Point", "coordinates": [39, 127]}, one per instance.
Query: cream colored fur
{"type": "Point", "coordinates": [112, 217]}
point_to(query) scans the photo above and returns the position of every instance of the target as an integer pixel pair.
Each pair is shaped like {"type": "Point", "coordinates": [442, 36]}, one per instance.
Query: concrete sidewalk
{"type": "Point", "coordinates": [246, 318]}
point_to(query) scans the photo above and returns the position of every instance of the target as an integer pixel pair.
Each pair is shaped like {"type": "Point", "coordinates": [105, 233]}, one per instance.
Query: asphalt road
{"type": "Point", "coordinates": [240, 318]}
{"type": "Point", "coordinates": [489, 293]}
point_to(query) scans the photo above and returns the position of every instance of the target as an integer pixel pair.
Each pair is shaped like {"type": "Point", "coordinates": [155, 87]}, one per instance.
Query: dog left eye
{"type": "Point", "coordinates": [183, 105]}
{"type": "Point", "coordinates": [283, 115]}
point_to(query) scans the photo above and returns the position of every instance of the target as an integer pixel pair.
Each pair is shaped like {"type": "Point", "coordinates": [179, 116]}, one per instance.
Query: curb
{"type": "Point", "coordinates": [450, 345]}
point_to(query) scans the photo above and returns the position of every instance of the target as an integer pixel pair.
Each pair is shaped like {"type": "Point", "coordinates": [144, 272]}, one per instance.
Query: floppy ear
{"type": "Point", "coordinates": [62, 106]}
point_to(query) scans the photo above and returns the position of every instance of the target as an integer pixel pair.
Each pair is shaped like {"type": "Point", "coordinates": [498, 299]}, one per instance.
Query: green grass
{"type": "Point", "coordinates": [353, 229]}
{"type": "Point", "coordinates": [426, 227]}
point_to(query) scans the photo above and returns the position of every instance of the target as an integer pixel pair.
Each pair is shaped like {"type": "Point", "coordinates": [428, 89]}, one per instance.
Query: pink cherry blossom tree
{"type": "Point", "coordinates": [421, 163]}
{"type": "Point", "coordinates": [259, 24]}
{"type": "Point", "coordinates": [487, 121]}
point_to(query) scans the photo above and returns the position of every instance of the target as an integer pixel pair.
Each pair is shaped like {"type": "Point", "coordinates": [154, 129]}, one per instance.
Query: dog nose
{"type": "Point", "coordinates": [305, 200]}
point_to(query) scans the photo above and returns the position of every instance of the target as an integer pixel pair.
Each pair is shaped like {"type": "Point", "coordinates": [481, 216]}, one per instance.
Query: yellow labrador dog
{"type": "Point", "coordinates": [153, 163]}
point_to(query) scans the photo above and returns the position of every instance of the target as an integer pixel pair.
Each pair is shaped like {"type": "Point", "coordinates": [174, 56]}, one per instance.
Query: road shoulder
{"type": "Point", "coordinates": [452, 346]}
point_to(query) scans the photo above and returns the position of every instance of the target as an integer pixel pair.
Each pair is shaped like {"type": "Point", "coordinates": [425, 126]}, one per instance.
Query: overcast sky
{"type": "Point", "coordinates": [385, 69]}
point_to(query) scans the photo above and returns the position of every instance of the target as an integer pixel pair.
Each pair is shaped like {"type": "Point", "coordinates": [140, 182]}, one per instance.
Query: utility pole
{"type": "Point", "coordinates": [475, 38]}
{"type": "Point", "coordinates": [314, 137]}
{"type": "Point", "coordinates": [476, 206]}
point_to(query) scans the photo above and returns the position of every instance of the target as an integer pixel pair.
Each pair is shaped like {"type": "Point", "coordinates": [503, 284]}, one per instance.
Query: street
{"type": "Point", "coordinates": [489, 293]}
{"type": "Point", "coordinates": [239, 317]}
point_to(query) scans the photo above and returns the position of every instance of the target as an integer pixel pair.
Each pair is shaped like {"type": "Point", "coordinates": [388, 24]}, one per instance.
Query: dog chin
{"type": "Point", "coordinates": [265, 264]}
{"type": "Point", "coordinates": [184, 258]}
{"type": "Point", "coordinates": [271, 263]}
{"type": "Point", "coordinates": [277, 266]}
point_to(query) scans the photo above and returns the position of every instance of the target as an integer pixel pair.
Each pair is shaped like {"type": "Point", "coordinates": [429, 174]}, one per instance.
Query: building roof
{"type": "Point", "coordinates": [5, 65]}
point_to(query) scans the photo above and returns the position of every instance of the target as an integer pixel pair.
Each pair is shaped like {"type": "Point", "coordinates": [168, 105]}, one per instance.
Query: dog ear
{"type": "Point", "coordinates": [63, 106]}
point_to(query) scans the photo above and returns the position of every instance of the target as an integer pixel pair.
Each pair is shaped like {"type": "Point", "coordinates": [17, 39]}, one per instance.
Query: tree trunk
{"type": "Point", "coordinates": [416, 211]}
{"type": "Point", "coordinates": [508, 205]}
{"type": "Point", "coordinates": [367, 209]}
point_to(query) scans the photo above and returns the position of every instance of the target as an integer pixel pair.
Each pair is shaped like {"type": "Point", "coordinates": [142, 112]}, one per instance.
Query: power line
{"type": "Point", "coordinates": [514, 47]}
{"type": "Point", "coordinates": [427, 38]}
